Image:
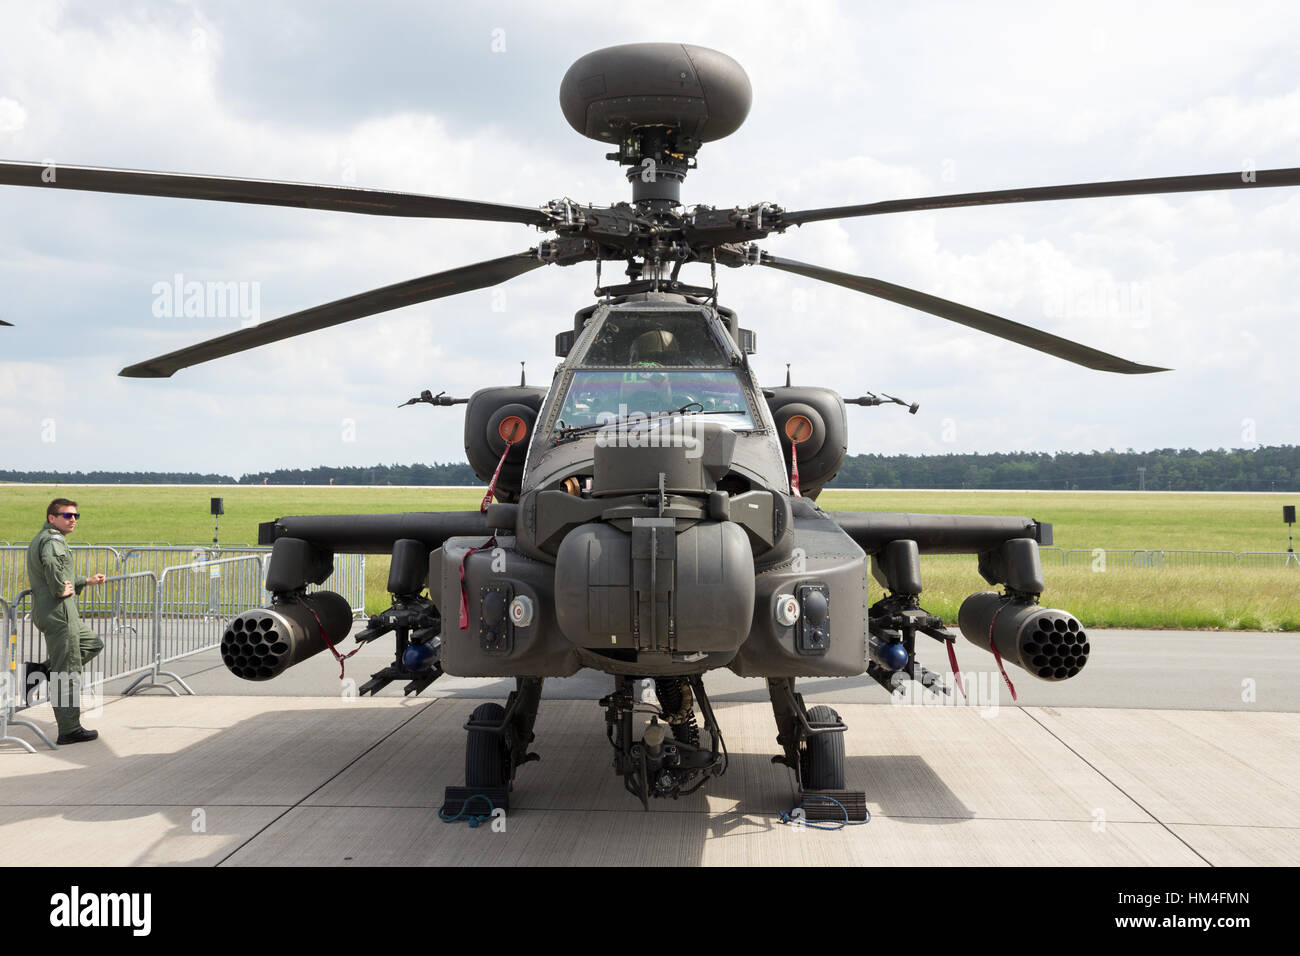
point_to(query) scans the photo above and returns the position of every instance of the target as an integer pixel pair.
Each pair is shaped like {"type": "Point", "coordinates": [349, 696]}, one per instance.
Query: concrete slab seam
{"type": "Point", "coordinates": [1095, 770]}
{"type": "Point", "coordinates": [325, 783]}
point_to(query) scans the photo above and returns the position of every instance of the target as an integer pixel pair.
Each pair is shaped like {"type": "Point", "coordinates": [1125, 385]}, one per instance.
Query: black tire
{"type": "Point", "coordinates": [487, 759]}
{"type": "Point", "coordinates": [823, 763]}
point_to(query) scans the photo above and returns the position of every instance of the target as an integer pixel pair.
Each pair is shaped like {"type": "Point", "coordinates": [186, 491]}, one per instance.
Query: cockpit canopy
{"type": "Point", "coordinates": [595, 397]}
{"type": "Point", "coordinates": [645, 363]}
{"type": "Point", "coordinates": [639, 371]}
{"type": "Point", "coordinates": [656, 338]}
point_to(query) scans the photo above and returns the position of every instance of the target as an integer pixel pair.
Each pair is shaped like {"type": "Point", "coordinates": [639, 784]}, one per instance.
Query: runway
{"type": "Point", "coordinates": [313, 775]}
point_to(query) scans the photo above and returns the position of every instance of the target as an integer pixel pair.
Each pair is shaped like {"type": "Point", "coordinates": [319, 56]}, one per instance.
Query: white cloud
{"type": "Point", "coordinates": [1251, 126]}
{"type": "Point", "coordinates": [12, 115]}
{"type": "Point", "coordinates": [849, 107]}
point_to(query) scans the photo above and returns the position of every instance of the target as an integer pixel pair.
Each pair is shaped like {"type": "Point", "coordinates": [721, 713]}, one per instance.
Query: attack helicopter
{"type": "Point", "coordinates": [651, 514]}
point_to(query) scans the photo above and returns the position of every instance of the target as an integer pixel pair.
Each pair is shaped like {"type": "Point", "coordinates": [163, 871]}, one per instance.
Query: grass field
{"type": "Point", "coordinates": [1154, 520]}
{"type": "Point", "coordinates": [1229, 598]}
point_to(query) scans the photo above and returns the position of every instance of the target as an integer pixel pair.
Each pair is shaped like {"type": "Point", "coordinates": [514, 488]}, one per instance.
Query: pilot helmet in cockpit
{"type": "Point", "coordinates": [656, 347]}
{"type": "Point", "coordinates": [644, 391]}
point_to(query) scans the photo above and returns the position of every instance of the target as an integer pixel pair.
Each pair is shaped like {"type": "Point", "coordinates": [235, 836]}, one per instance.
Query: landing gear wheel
{"type": "Point", "coordinates": [822, 762]}
{"type": "Point", "coordinates": [487, 758]}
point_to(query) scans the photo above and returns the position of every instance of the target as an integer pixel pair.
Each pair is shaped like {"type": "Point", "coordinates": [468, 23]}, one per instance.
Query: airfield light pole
{"type": "Point", "coordinates": [1288, 515]}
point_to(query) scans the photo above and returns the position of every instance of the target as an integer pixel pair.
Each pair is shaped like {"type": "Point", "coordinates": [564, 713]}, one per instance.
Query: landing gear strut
{"type": "Point", "coordinates": [496, 746]}
{"type": "Point", "coordinates": [813, 745]}
{"type": "Point", "coordinates": [667, 759]}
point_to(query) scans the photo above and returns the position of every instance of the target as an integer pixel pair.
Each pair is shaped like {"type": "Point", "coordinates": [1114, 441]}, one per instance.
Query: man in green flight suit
{"type": "Point", "coordinates": [70, 643]}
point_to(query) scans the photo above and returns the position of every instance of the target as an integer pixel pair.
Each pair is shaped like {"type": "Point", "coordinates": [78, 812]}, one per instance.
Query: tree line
{"type": "Point", "coordinates": [452, 473]}
{"type": "Point", "coordinates": [1275, 468]}
{"type": "Point", "coordinates": [1166, 469]}
{"type": "Point", "coordinates": [114, 478]}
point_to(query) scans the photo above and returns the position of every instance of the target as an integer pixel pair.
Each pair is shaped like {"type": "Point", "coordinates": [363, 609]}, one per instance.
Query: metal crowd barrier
{"type": "Point", "coordinates": [195, 603]}
{"type": "Point", "coordinates": [1139, 558]}
{"type": "Point", "coordinates": [121, 612]}
{"type": "Point", "coordinates": [348, 579]}
{"type": "Point", "coordinates": [87, 559]}
{"type": "Point", "coordinates": [129, 635]}
{"type": "Point", "coordinates": [145, 620]}
{"type": "Point", "coordinates": [1050, 556]}
{"type": "Point", "coordinates": [11, 688]}
{"type": "Point", "coordinates": [162, 611]}
{"type": "Point", "coordinates": [158, 558]}
{"type": "Point", "coordinates": [1268, 559]}
{"type": "Point", "coordinates": [118, 605]}
{"type": "Point", "coordinates": [1198, 559]}
{"type": "Point", "coordinates": [1119, 557]}
{"type": "Point", "coordinates": [1114, 558]}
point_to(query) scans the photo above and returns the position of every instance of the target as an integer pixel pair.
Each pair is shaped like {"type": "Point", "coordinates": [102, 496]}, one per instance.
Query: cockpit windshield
{"type": "Point", "coordinates": [596, 397]}
{"type": "Point", "coordinates": [661, 338]}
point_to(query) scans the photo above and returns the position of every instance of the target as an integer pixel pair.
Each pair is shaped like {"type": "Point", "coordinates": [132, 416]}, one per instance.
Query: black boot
{"type": "Point", "coordinates": [78, 736]}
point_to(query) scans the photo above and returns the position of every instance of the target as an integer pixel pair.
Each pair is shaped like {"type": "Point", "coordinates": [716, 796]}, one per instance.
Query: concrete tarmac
{"type": "Point", "coordinates": [1185, 670]}
{"type": "Point", "coordinates": [1171, 748]}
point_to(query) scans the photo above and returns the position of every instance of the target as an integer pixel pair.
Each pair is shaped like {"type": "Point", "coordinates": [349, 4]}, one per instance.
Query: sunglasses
{"type": "Point", "coordinates": [69, 514]}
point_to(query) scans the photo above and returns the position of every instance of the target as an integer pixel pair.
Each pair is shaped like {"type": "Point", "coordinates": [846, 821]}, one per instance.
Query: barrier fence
{"type": "Point", "coordinates": [146, 620]}
{"type": "Point", "coordinates": [1138, 558]}
{"type": "Point", "coordinates": [196, 602]}
{"type": "Point", "coordinates": [10, 686]}
{"type": "Point", "coordinates": [118, 560]}
{"type": "Point", "coordinates": [87, 559]}
{"type": "Point", "coordinates": [156, 606]}
{"type": "Point", "coordinates": [1116, 558]}
{"type": "Point", "coordinates": [126, 628]}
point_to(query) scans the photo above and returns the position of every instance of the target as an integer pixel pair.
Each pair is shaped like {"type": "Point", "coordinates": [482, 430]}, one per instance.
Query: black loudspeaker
{"type": "Point", "coordinates": [218, 506]}
{"type": "Point", "coordinates": [1288, 514]}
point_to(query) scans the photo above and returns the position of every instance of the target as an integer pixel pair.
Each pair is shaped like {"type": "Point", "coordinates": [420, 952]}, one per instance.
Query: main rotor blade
{"type": "Point", "coordinates": [965, 315]}
{"type": "Point", "coordinates": [435, 286]}
{"type": "Point", "coordinates": [265, 192]}
{"type": "Point", "coordinates": [1262, 179]}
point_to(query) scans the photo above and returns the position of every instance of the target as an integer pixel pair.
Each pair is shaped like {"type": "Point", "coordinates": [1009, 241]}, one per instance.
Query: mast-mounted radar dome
{"type": "Point", "coordinates": [657, 102]}
{"type": "Point", "coordinates": [701, 93]}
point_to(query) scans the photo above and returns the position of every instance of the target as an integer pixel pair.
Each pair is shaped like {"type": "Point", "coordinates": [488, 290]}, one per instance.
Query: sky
{"type": "Point", "coordinates": [852, 103]}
